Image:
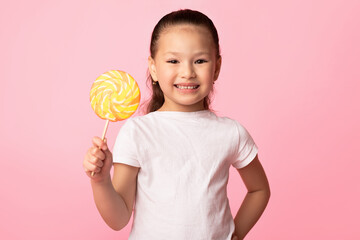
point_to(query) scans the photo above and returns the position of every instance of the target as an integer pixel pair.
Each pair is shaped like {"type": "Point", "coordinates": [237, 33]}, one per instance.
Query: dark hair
{"type": "Point", "coordinates": [185, 16]}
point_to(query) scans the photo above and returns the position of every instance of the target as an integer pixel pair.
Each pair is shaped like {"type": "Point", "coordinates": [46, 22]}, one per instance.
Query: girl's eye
{"type": "Point", "coordinates": [172, 61]}
{"type": "Point", "coordinates": [200, 61]}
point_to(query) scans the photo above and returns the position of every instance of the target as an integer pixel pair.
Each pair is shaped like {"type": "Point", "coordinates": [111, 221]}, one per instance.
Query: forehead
{"type": "Point", "coordinates": [185, 27]}
{"type": "Point", "coordinates": [185, 36]}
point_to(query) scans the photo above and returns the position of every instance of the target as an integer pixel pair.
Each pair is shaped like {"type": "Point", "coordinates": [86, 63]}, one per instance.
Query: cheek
{"type": "Point", "coordinates": [166, 74]}
{"type": "Point", "coordinates": [209, 74]}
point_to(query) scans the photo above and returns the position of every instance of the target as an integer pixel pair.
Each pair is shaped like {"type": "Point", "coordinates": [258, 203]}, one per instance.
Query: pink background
{"type": "Point", "coordinates": [290, 75]}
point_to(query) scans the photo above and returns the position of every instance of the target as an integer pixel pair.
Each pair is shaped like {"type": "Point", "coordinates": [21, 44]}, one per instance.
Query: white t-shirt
{"type": "Point", "coordinates": [184, 160]}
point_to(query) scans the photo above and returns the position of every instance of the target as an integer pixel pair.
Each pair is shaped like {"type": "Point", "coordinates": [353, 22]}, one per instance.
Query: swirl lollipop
{"type": "Point", "coordinates": [114, 96]}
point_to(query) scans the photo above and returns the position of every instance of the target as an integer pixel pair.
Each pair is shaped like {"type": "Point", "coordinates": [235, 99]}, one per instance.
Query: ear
{"type": "Point", "coordinates": [217, 68]}
{"type": "Point", "coordinates": [152, 68]}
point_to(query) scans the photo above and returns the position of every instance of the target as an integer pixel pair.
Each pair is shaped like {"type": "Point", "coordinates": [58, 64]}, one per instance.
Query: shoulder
{"type": "Point", "coordinates": [139, 119]}
{"type": "Point", "coordinates": [227, 121]}
{"type": "Point", "coordinates": [234, 125]}
{"type": "Point", "coordinates": [137, 123]}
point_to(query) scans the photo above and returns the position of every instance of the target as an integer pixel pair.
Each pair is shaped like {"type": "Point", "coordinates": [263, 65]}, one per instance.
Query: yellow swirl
{"type": "Point", "coordinates": [114, 95]}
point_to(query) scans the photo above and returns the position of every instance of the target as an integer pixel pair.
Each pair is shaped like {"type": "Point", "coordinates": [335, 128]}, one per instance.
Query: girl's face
{"type": "Point", "coordinates": [185, 66]}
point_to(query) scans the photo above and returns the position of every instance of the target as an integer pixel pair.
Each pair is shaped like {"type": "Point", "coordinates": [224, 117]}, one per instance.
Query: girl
{"type": "Point", "coordinates": [174, 161]}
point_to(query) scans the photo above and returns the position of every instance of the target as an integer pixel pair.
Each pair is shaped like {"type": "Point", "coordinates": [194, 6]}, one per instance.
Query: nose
{"type": "Point", "coordinates": [187, 71]}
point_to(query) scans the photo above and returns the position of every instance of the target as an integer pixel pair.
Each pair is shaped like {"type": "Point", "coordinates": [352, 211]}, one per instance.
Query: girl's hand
{"type": "Point", "coordinates": [98, 159]}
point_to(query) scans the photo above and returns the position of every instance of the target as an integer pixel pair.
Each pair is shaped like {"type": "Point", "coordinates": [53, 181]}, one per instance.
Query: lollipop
{"type": "Point", "coordinates": [114, 96]}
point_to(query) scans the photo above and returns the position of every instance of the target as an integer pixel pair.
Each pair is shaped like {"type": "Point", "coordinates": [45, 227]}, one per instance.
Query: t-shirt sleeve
{"type": "Point", "coordinates": [246, 148]}
{"type": "Point", "coordinates": [125, 147]}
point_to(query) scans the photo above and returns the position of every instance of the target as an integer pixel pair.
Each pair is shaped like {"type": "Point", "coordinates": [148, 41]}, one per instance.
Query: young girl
{"type": "Point", "coordinates": [174, 161]}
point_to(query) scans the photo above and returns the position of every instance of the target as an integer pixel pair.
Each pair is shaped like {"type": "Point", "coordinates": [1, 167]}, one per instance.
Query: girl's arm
{"type": "Point", "coordinates": [114, 200]}
{"type": "Point", "coordinates": [255, 200]}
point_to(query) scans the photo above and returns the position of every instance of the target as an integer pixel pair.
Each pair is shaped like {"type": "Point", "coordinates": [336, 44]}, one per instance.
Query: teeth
{"type": "Point", "coordinates": [186, 87]}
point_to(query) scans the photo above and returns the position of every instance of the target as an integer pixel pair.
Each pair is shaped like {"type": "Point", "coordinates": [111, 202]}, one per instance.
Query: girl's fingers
{"type": "Point", "coordinates": [99, 143]}
{"type": "Point", "coordinates": [97, 158]}
{"type": "Point", "coordinates": [96, 141]}
{"type": "Point", "coordinates": [91, 162]}
{"type": "Point", "coordinates": [97, 153]}
{"type": "Point", "coordinates": [96, 161]}
{"type": "Point", "coordinates": [89, 174]}
{"type": "Point", "coordinates": [90, 167]}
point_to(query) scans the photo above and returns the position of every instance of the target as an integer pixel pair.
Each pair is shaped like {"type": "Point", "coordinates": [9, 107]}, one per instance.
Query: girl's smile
{"type": "Point", "coordinates": [185, 66]}
{"type": "Point", "coordinates": [187, 88]}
